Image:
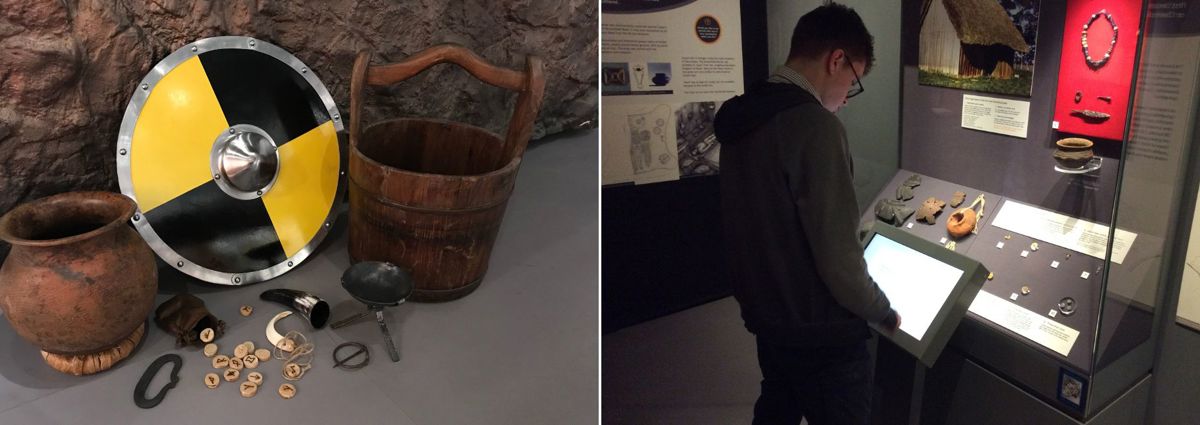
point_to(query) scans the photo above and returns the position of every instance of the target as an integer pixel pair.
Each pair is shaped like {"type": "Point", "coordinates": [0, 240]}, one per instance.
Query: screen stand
{"type": "Point", "coordinates": [899, 386]}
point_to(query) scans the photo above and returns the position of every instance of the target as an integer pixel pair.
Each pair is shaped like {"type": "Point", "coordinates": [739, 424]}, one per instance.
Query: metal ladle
{"type": "Point", "coordinates": [378, 285]}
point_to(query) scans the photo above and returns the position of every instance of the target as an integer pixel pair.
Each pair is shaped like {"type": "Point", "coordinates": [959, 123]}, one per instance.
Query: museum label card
{"type": "Point", "coordinates": [1065, 231]}
{"type": "Point", "coordinates": [1047, 333]}
{"type": "Point", "coordinates": [996, 115]}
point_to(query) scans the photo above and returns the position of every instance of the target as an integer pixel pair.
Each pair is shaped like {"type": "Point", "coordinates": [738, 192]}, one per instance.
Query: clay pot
{"type": "Point", "coordinates": [1073, 152]}
{"type": "Point", "coordinates": [961, 222]}
{"type": "Point", "coordinates": [78, 281]}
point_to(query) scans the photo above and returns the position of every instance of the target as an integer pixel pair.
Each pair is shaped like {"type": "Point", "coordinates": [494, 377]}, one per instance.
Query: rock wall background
{"type": "Point", "coordinates": [67, 68]}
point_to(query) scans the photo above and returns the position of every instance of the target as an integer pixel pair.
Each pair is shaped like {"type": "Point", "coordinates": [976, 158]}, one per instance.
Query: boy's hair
{"type": "Point", "coordinates": [833, 26]}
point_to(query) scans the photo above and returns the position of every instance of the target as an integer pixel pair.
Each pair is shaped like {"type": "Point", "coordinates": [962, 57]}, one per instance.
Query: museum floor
{"type": "Point", "coordinates": [520, 350]}
{"type": "Point", "coordinates": [695, 366]}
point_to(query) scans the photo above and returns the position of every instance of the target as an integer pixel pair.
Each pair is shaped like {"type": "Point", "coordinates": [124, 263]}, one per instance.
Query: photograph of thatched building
{"type": "Point", "coordinates": [981, 45]}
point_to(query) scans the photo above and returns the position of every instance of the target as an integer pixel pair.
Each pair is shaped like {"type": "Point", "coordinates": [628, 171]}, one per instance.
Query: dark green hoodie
{"type": "Point", "coordinates": [790, 220]}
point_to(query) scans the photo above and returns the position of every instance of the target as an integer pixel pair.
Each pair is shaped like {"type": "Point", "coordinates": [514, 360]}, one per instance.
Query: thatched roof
{"type": "Point", "coordinates": [984, 22]}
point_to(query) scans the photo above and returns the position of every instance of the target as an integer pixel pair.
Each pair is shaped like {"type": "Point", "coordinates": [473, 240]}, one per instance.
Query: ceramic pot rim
{"type": "Point", "coordinates": [128, 206]}
{"type": "Point", "coordinates": [1075, 142]}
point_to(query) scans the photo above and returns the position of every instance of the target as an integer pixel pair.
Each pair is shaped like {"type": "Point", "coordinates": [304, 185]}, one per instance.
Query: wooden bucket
{"type": "Point", "coordinates": [427, 194]}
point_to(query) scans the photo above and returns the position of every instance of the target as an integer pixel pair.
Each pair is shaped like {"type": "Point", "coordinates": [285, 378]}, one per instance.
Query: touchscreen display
{"type": "Point", "coordinates": [915, 283]}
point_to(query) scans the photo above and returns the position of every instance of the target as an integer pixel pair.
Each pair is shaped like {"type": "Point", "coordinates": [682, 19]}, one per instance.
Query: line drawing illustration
{"type": "Point", "coordinates": [648, 144]}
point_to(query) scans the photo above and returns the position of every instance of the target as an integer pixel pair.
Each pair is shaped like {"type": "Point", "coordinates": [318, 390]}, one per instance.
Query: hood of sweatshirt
{"type": "Point", "coordinates": [744, 113]}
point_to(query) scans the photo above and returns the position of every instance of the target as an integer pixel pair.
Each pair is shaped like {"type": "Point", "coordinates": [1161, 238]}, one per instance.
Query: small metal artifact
{"type": "Point", "coordinates": [1007, 237]}
{"type": "Point", "coordinates": [957, 199]}
{"type": "Point", "coordinates": [1033, 246]}
{"type": "Point", "coordinates": [343, 363]}
{"type": "Point", "coordinates": [951, 245]}
{"type": "Point", "coordinates": [139, 392]}
{"type": "Point", "coordinates": [1066, 306]}
{"type": "Point", "coordinates": [1105, 98]}
{"type": "Point", "coordinates": [1025, 290]}
{"type": "Point", "coordinates": [246, 310]}
{"type": "Point", "coordinates": [930, 209]}
{"type": "Point", "coordinates": [991, 276]}
{"type": "Point", "coordinates": [1090, 115]}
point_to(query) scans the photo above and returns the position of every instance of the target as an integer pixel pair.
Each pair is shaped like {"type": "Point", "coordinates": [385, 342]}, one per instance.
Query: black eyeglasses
{"type": "Point", "coordinates": [857, 88]}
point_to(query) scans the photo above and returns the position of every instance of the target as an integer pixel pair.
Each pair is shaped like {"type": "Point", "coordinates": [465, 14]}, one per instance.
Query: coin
{"type": "Point", "coordinates": [207, 335]}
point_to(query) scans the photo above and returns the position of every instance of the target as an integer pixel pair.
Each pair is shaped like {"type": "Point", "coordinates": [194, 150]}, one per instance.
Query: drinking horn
{"type": "Point", "coordinates": [311, 306]}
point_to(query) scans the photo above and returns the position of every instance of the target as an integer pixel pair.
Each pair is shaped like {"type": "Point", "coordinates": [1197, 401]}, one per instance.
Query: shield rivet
{"type": "Point", "coordinates": [216, 177]}
{"type": "Point", "coordinates": [336, 117]}
{"type": "Point", "coordinates": [303, 70]}
{"type": "Point", "coordinates": [326, 224]}
{"type": "Point", "coordinates": [237, 279]}
{"type": "Point", "coordinates": [145, 86]}
{"type": "Point", "coordinates": [194, 49]}
{"type": "Point", "coordinates": [289, 263]}
{"type": "Point", "coordinates": [260, 193]}
{"type": "Point", "coordinates": [137, 217]}
{"type": "Point", "coordinates": [251, 42]}
{"type": "Point", "coordinates": [231, 130]}
{"type": "Point", "coordinates": [179, 264]}
{"type": "Point", "coordinates": [122, 151]}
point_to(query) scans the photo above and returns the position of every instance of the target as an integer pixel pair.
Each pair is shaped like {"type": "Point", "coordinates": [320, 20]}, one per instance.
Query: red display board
{"type": "Point", "coordinates": [1093, 83]}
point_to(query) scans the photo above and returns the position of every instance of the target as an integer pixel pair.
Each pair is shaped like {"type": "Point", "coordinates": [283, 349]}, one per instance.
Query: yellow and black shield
{"type": "Point", "coordinates": [235, 154]}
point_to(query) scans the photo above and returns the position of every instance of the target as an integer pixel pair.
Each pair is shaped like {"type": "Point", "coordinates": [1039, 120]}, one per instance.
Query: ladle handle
{"type": "Point", "coordinates": [387, 337]}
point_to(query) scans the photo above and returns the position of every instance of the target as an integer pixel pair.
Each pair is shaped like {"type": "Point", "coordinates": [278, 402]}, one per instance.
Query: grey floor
{"type": "Point", "coordinates": [520, 350]}
{"type": "Point", "coordinates": [697, 366]}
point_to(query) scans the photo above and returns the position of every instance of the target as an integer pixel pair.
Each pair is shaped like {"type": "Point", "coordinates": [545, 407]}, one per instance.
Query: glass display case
{"type": "Point", "coordinates": [1048, 141]}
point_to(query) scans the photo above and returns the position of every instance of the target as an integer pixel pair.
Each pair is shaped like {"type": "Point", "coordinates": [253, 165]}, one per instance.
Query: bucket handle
{"type": "Point", "coordinates": [529, 84]}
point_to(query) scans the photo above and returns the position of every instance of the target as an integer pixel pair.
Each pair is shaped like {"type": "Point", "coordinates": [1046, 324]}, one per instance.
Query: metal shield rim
{"type": "Point", "coordinates": [124, 152]}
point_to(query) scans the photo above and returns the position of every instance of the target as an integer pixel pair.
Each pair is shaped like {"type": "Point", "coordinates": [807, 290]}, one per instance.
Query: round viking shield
{"type": "Point", "coordinates": [235, 154]}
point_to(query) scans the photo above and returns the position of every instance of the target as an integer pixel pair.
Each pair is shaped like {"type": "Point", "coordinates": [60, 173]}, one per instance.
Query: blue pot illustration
{"type": "Point", "coordinates": [660, 79]}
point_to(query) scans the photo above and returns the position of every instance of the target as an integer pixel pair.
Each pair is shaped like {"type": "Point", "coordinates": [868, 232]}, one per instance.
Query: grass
{"type": "Point", "coordinates": [1019, 86]}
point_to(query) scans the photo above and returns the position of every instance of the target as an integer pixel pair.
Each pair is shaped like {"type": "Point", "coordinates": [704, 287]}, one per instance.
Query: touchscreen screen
{"type": "Point", "coordinates": [915, 283]}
